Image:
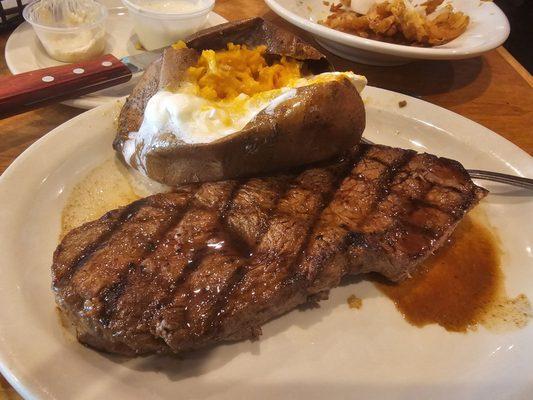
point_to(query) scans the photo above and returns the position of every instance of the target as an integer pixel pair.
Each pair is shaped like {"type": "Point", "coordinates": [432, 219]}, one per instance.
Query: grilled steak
{"type": "Point", "coordinates": [213, 262]}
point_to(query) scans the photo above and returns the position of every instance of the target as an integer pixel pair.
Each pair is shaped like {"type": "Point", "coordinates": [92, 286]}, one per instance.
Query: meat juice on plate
{"type": "Point", "coordinates": [461, 286]}
{"type": "Point", "coordinates": [106, 187]}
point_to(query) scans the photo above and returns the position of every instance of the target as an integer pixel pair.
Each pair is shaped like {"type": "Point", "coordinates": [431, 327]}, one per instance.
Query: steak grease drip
{"type": "Point", "coordinates": [108, 186]}
{"type": "Point", "coordinates": [461, 286]}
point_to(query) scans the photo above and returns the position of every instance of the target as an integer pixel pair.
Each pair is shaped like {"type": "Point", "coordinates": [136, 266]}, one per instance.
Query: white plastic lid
{"type": "Point", "coordinates": [142, 7]}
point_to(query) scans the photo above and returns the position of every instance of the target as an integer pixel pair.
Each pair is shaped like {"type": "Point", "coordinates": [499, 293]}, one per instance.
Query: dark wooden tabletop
{"type": "Point", "coordinates": [493, 90]}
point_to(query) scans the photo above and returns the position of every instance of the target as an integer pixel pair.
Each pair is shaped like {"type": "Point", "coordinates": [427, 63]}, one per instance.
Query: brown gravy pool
{"type": "Point", "coordinates": [461, 286]}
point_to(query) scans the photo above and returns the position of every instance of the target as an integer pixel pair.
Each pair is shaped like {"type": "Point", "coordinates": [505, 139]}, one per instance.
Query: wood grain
{"type": "Point", "coordinates": [524, 73]}
{"type": "Point", "coordinates": [488, 89]}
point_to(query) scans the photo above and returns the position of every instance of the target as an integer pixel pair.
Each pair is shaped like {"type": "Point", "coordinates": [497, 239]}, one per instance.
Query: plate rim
{"type": "Point", "coordinates": [24, 386]}
{"type": "Point", "coordinates": [8, 361]}
{"type": "Point", "coordinates": [392, 49]}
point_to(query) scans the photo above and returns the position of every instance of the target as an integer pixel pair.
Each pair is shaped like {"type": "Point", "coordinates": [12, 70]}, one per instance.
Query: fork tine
{"type": "Point", "coordinates": [519, 181]}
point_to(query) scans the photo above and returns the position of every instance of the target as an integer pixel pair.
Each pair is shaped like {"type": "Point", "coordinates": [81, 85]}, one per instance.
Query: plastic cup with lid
{"type": "Point", "coordinates": [159, 23]}
{"type": "Point", "coordinates": [69, 30]}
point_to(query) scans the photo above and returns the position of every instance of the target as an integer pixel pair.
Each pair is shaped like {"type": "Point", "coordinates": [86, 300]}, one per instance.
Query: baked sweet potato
{"type": "Point", "coordinates": [317, 122]}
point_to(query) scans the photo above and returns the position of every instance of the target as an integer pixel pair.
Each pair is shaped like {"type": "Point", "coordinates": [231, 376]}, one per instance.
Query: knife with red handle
{"type": "Point", "coordinates": [29, 90]}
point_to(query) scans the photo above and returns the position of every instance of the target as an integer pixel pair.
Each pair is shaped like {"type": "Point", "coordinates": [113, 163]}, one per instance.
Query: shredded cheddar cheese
{"type": "Point", "coordinates": [179, 45]}
{"type": "Point", "coordinates": [225, 74]}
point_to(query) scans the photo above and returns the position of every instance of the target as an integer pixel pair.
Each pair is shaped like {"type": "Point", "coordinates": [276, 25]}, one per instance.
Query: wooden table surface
{"type": "Point", "coordinates": [493, 90]}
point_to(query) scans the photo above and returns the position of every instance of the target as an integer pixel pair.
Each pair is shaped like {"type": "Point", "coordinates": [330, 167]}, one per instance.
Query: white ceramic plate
{"type": "Point", "coordinates": [25, 53]}
{"type": "Point", "coordinates": [331, 352]}
{"type": "Point", "coordinates": [487, 30]}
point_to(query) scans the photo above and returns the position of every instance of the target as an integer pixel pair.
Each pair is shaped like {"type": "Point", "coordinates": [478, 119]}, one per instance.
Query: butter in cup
{"type": "Point", "coordinates": [69, 30]}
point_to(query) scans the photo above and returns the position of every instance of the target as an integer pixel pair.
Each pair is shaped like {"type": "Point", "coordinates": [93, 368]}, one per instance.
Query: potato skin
{"type": "Point", "coordinates": [321, 121]}
{"type": "Point", "coordinates": [301, 130]}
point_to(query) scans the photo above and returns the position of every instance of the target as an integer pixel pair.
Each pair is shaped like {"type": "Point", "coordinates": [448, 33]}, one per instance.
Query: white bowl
{"type": "Point", "coordinates": [161, 27]}
{"type": "Point", "coordinates": [487, 30]}
{"type": "Point", "coordinates": [70, 43]}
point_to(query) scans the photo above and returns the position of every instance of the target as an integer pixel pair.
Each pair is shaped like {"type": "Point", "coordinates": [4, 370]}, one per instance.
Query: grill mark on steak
{"type": "Point", "coordinates": [121, 216]}
{"type": "Point", "coordinates": [198, 303]}
{"type": "Point", "coordinates": [196, 299]}
{"type": "Point", "coordinates": [342, 225]}
{"type": "Point", "coordinates": [209, 279]}
{"type": "Point", "coordinates": [295, 278]}
{"type": "Point", "coordinates": [160, 271]}
{"type": "Point", "coordinates": [161, 321]}
{"type": "Point", "coordinates": [238, 274]}
{"type": "Point", "coordinates": [99, 271]}
{"type": "Point", "coordinates": [100, 242]}
{"type": "Point", "coordinates": [292, 219]}
{"type": "Point", "coordinates": [234, 263]}
{"type": "Point", "coordinates": [98, 307]}
{"type": "Point", "coordinates": [385, 184]}
{"type": "Point", "coordinates": [233, 281]}
{"type": "Point", "coordinates": [111, 295]}
{"type": "Point", "coordinates": [218, 213]}
{"type": "Point", "coordinates": [386, 230]}
{"type": "Point", "coordinates": [390, 231]}
{"type": "Point", "coordinates": [295, 274]}
{"type": "Point", "coordinates": [248, 217]}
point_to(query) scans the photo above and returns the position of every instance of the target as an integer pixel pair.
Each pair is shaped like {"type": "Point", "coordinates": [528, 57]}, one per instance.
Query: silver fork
{"type": "Point", "coordinates": [492, 176]}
